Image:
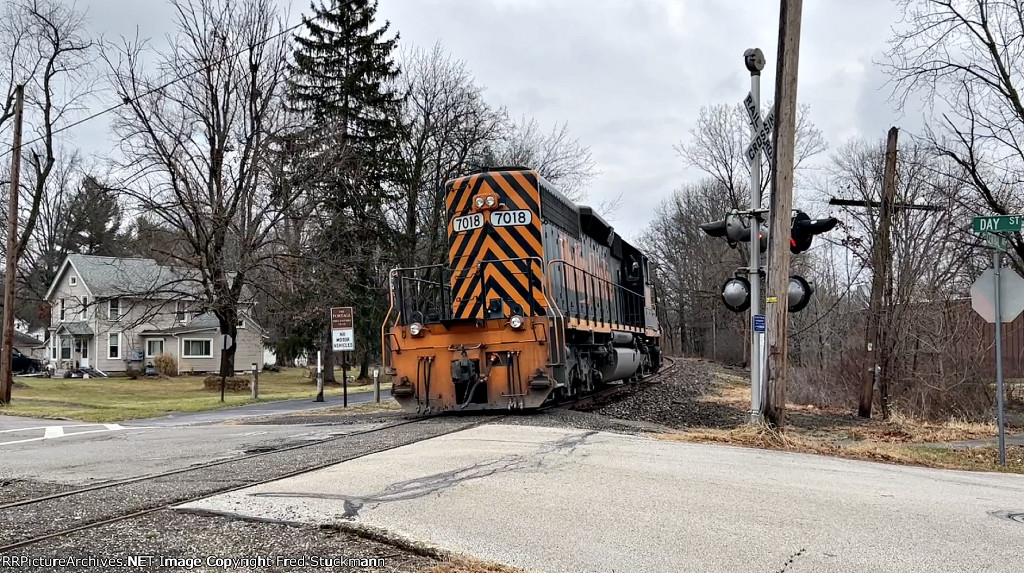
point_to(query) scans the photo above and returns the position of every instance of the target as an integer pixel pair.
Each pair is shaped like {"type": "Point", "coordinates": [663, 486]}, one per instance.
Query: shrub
{"type": "Point", "coordinates": [132, 373]}
{"type": "Point", "coordinates": [271, 368]}
{"type": "Point", "coordinates": [233, 383]}
{"type": "Point", "coordinates": [165, 364]}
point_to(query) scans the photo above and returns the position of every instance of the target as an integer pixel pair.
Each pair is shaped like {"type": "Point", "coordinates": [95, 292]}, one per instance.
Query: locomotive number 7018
{"type": "Point", "coordinates": [468, 222]}
{"type": "Point", "coordinates": [510, 218]}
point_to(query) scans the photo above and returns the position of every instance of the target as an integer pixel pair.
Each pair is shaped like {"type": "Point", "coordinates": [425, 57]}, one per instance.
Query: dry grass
{"type": "Point", "coordinates": [837, 432]}
{"type": "Point", "coordinates": [984, 458]}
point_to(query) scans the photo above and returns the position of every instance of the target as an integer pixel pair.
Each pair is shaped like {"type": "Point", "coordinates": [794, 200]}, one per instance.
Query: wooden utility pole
{"type": "Point", "coordinates": [781, 206]}
{"type": "Point", "coordinates": [876, 360]}
{"type": "Point", "coordinates": [7, 350]}
{"type": "Point", "coordinates": [880, 250]}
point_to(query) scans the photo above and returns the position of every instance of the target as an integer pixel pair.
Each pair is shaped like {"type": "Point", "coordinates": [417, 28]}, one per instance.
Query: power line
{"type": "Point", "coordinates": [169, 83]}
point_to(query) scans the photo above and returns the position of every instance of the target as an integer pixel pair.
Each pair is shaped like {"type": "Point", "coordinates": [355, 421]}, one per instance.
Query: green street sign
{"type": "Point", "coordinates": [998, 224]}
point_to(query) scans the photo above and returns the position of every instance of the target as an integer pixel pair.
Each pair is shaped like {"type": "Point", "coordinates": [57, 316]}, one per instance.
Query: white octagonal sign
{"type": "Point", "coordinates": [1011, 295]}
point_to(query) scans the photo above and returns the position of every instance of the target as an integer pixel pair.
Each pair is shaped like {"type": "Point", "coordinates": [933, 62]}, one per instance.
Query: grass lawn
{"type": "Point", "coordinates": [115, 399]}
{"type": "Point", "coordinates": [899, 440]}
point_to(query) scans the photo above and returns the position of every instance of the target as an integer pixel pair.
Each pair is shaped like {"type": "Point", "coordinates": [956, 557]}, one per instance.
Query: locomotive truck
{"type": "Point", "coordinates": [539, 301]}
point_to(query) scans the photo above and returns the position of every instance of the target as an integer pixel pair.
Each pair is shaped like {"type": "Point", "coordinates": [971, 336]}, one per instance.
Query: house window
{"type": "Point", "coordinates": [53, 349]}
{"type": "Point", "coordinates": [63, 304]}
{"type": "Point", "coordinates": [154, 347]}
{"type": "Point", "coordinates": [114, 309]}
{"type": "Point", "coordinates": [84, 314]}
{"type": "Point", "coordinates": [197, 348]}
{"type": "Point", "coordinates": [179, 313]}
{"type": "Point", "coordinates": [241, 323]}
{"type": "Point", "coordinates": [74, 281]}
{"type": "Point", "coordinates": [114, 345]}
{"type": "Point", "coordinates": [65, 348]}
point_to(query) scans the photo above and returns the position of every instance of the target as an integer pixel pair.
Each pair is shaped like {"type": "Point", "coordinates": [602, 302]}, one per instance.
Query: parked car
{"type": "Point", "coordinates": [24, 364]}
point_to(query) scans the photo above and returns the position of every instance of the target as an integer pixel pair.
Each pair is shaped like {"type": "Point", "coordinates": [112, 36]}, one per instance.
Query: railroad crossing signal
{"type": "Point", "coordinates": [735, 228]}
{"type": "Point", "coordinates": [763, 141]}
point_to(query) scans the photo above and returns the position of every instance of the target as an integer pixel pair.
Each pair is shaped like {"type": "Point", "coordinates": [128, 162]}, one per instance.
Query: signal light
{"type": "Point", "coordinates": [804, 229]}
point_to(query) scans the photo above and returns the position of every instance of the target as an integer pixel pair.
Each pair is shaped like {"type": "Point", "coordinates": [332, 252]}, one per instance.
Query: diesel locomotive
{"type": "Point", "coordinates": [539, 301]}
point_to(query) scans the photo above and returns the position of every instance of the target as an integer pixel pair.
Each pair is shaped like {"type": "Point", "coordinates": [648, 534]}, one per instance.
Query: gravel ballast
{"type": "Point", "coordinates": [174, 541]}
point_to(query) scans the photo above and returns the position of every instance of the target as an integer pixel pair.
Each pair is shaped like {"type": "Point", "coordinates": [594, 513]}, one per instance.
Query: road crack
{"type": "Point", "coordinates": [790, 561]}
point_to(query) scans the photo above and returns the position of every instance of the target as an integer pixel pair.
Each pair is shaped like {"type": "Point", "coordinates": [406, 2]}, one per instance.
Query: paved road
{"type": "Point", "coordinates": [567, 501]}
{"type": "Point", "coordinates": [278, 408]}
{"type": "Point", "coordinates": [80, 453]}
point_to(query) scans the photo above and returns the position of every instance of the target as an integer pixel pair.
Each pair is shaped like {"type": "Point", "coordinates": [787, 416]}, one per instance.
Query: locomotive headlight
{"type": "Point", "coordinates": [491, 201]}
{"type": "Point", "coordinates": [479, 202]}
{"type": "Point", "coordinates": [415, 329]}
{"type": "Point", "coordinates": [516, 322]}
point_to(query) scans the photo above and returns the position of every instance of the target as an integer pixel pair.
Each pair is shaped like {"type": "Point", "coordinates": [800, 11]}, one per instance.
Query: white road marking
{"type": "Point", "coordinates": [53, 432]}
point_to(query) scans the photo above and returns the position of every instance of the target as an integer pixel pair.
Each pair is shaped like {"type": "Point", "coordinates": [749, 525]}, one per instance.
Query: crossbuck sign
{"type": "Point", "coordinates": [763, 141]}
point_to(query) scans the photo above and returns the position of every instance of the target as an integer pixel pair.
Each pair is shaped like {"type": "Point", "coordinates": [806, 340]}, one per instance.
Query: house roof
{"type": "Point", "coordinates": [110, 277]}
{"type": "Point", "coordinates": [205, 321]}
{"type": "Point", "coordinates": [25, 341]}
{"type": "Point", "coordinates": [80, 328]}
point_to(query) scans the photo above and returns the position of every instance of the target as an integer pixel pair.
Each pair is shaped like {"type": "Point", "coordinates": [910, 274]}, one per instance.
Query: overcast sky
{"type": "Point", "coordinates": [628, 76]}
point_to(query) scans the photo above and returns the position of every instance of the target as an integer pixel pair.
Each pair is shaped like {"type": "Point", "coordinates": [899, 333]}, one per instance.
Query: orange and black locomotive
{"type": "Point", "coordinates": [540, 300]}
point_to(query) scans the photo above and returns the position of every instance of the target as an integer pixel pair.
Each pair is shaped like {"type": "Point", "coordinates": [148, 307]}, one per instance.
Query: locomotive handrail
{"type": "Point", "coordinates": [633, 296]}
{"type": "Point", "coordinates": [385, 355]}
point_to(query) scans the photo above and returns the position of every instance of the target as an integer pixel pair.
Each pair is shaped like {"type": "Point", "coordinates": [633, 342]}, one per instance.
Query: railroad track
{"type": "Point", "coordinates": [48, 529]}
{"type": "Point", "coordinates": [96, 497]}
{"type": "Point", "coordinates": [617, 391]}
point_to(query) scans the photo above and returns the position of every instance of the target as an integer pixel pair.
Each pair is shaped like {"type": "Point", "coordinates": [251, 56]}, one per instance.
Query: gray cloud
{"type": "Point", "coordinates": [628, 76]}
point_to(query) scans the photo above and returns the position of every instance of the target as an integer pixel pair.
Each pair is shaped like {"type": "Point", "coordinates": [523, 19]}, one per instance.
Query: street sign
{"type": "Point", "coordinates": [998, 224]}
{"type": "Point", "coordinates": [1011, 295]}
{"type": "Point", "coordinates": [343, 329]}
{"type": "Point", "coordinates": [759, 323]}
{"type": "Point", "coordinates": [225, 341]}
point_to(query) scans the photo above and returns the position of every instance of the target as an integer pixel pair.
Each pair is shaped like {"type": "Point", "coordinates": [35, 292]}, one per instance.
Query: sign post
{"type": "Point", "coordinates": [225, 343]}
{"type": "Point", "coordinates": [319, 376]}
{"type": "Point", "coordinates": [343, 339]}
{"type": "Point", "coordinates": [1006, 288]}
{"type": "Point", "coordinates": [760, 142]}
{"type": "Point", "coordinates": [376, 385]}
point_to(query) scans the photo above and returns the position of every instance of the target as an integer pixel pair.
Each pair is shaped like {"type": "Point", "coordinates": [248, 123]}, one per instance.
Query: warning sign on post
{"type": "Point", "coordinates": [343, 329]}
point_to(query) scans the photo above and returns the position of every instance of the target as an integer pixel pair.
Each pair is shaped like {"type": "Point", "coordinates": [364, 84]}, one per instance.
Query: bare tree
{"type": "Point", "coordinates": [556, 155]}
{"type": "Point", "coordinates": [717, 146]}
{"type": "Point", "coordinates": [201, 143]}
{"type": "Point", "coordinates": [963, 58]}
{"type": "Point", "coordinates": [447, 124]}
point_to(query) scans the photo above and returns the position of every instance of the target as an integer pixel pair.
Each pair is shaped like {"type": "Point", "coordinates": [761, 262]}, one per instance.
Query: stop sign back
{"type": "Point", "coordinates": [1011, 295]}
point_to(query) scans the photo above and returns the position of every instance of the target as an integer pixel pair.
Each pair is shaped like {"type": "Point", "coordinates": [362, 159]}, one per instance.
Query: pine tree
{"type": "Point", "coordinates": [342, 78]}
{"type": "Point", "coordinates": [342, 82]}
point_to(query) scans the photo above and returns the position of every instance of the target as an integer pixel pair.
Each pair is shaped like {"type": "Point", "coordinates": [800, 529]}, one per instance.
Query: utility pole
{"type": "Point", "coordinates": [880, 275]}
{"type": "Point", "coordinates": [6, 352]}
{"type": "Point", "coordinates": [876, 360]}
{"type": "Point", "coordinates": [781, 210]}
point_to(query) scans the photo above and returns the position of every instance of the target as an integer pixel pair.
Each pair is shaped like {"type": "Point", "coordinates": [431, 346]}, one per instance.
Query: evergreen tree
{"type": "Point", "coordinates": [343, 83]}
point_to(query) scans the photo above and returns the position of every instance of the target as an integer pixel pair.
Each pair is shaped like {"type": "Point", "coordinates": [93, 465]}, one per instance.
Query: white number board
{"type": "Point", "coordinates": [468, 222]}
{"type": "Point", "coordinates": [511, 218]}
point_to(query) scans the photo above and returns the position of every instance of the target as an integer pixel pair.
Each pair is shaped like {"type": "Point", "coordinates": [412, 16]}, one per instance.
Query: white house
{"type": "Point", "coordinates": [111, 314]}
